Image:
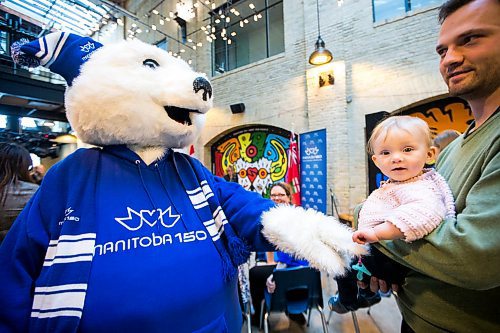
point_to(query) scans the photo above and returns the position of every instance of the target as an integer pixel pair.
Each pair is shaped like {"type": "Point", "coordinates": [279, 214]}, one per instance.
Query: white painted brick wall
{"type": "Point", "coordinates": [378, 67]}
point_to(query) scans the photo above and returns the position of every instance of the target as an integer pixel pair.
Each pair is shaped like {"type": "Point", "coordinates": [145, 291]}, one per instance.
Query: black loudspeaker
{"type": "Point", "coordinates": [237, 108]}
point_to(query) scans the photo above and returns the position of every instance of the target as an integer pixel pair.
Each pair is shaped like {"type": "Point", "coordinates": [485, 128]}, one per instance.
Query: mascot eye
{"type": "Point", "coordinates": [150, 63]}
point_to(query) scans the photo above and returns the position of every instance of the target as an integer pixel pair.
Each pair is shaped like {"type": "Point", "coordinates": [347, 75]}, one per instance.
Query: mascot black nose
{"type": "Point", "coordinates": [200, 83]}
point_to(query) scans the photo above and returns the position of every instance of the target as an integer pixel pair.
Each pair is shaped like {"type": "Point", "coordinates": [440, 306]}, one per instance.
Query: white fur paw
{"type": "Point", "coordinates": [339, 237]}
{"type": "Point", "coordinates": [311, 235]}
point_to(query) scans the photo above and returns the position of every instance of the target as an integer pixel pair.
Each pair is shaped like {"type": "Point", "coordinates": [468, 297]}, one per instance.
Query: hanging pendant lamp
{"type": "Point", "coordinates": [321, 55]}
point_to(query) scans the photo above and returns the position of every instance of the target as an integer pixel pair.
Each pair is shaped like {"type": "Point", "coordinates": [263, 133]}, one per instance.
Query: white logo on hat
{"type": "Point", "coordinates": [87, 47]}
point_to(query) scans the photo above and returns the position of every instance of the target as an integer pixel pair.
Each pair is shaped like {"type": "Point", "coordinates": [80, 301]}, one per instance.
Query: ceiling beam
{"type": "Point", "coordinates": [10, 110]}
{"type": "Point", "coordinates": [18, 85]}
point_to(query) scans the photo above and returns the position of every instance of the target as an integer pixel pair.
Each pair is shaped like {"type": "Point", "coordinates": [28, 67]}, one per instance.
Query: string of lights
{"type": "Point", "coordinates": [187, 10]}
{"type": "Point", "coordinates": [228, 14]}
{"type": "Point", "coordinates": [103, 17]}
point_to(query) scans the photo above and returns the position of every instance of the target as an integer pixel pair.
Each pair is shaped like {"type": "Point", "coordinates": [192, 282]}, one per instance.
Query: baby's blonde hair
{"type": "Point", "coordinates": [413, 125]}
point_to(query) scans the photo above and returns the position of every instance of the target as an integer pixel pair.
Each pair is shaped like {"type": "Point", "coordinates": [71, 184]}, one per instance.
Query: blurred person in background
{"type": "Point", "coordinates": [230, 175]}
{"type": "Point", "coordinates": [16, 184]}
{"type": "Point", "coordinates": [443, 139]}
{"type": "Point", "coordinates": [38, 173]}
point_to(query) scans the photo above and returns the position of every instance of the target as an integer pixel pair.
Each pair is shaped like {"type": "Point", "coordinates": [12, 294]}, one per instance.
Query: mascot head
{"type": "Point", "coordinates": [125, 93]}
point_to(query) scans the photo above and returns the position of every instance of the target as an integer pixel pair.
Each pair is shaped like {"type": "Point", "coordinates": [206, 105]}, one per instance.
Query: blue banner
{"type": "Point", "coordinates": [313, 170]}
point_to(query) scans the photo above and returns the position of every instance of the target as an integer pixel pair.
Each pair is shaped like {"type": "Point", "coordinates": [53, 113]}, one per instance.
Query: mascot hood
{"type": "Point", "coordinates": [128, 93]}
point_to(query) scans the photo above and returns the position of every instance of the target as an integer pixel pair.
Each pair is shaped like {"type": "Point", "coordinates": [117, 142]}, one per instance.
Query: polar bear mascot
{"type": "Point", "coordinates": [133, 236]}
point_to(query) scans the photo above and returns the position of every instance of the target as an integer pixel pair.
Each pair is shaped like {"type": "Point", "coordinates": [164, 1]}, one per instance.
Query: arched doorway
{"type": "Point", "coordinates": [258, 154]}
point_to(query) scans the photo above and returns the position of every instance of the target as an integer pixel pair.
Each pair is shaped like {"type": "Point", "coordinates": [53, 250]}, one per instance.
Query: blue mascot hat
{"type": "Point", "coordinates": [62, 52]}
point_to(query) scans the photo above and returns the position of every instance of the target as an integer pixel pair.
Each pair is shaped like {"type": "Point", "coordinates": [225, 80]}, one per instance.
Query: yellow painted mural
{"type": "Point", "coordinates": [441, 115]}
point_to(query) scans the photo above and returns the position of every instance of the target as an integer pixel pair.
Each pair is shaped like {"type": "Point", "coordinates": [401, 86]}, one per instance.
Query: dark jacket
{"type": "Point", "coordinates": [16, 196]}
{"type": "Point", "coordinates": [233, 179]}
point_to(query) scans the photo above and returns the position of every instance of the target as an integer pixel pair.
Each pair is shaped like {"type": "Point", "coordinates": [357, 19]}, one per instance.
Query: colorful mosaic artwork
{"type": "Point", "coordinates": [258, 154]}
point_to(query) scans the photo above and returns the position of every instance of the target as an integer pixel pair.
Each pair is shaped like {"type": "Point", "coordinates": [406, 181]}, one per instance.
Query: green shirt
{"type": "Point", "coordinates": [455, 285]}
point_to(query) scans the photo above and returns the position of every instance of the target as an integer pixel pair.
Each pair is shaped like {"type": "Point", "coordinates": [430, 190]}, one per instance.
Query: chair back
{"type": "Point", "coordinates": [297, 290]}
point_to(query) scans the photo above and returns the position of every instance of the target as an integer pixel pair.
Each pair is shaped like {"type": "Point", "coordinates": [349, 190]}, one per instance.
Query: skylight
{"type": "Point", "coordinates": [82, 17]}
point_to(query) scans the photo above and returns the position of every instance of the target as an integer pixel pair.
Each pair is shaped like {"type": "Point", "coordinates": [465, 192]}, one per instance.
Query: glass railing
{"type": "Point", "coordinates": [7, 65]}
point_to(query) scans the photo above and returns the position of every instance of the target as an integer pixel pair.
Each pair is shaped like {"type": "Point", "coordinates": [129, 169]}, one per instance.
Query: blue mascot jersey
{"type": "Point", "coordinates": [109, 244]}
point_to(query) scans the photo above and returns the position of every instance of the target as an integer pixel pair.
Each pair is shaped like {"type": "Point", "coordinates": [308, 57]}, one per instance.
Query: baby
{"type": "Point", "coordinates": [410, 205]}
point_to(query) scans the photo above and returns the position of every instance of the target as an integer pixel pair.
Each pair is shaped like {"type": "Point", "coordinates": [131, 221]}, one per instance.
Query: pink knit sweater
{"type": "Point", "coordinates": [416, 206]}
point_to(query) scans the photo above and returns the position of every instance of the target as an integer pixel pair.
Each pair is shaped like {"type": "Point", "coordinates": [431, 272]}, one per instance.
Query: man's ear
{"type": "Point", "coordinates": [431, 155]}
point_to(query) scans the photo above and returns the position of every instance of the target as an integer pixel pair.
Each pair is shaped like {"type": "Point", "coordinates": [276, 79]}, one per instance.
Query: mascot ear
{"type": "Point", "coordinates": [63, 53]}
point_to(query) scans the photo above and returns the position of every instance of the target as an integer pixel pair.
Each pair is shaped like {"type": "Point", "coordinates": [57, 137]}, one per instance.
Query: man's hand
{"type": "Point", "coordinates": [377, 284]}
{"type": "Point", "coordinates": [365, 236]}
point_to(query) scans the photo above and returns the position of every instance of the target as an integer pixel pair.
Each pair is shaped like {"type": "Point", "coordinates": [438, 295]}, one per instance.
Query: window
{"type": "Point", "coordinates": [3, 43]}
{"type": "Point", "coordinates": [244, 35]}
{"type": "Point", "coordinates": [163, 44]}
{"type": "Point", "coordinates": [3, 121]}
{"type": "Point", "coordinates": [386, 9]}
{"type": "Point", "coordinates": [44, 125]}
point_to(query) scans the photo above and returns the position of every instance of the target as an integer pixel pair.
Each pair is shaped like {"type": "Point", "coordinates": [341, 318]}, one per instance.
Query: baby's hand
{"type": "Point", "coordinates": [270, 284]}
{"type": "Point", "coordinates": [365, 236]}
